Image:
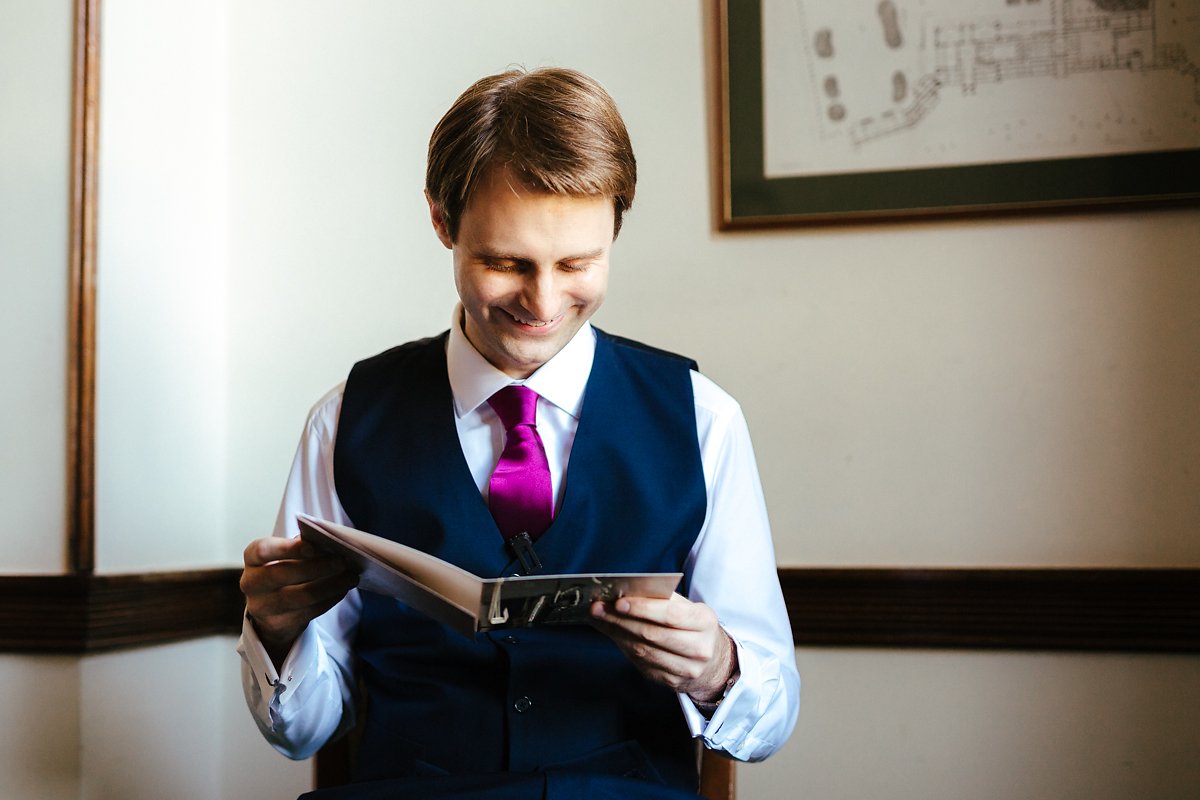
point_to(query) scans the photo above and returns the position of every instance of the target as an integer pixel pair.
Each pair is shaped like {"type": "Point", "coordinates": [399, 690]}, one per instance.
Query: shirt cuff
{"type": "Point", "coordinates": [731, 727]}
{"type": "Point", "coordinates": [277, 685]}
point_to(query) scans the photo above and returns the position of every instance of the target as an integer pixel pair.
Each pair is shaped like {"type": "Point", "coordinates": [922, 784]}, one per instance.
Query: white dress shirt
{"type": "Point", "coordinates": [731, 565]}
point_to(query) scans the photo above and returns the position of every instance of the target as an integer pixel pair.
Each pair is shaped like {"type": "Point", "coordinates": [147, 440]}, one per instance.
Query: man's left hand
{"type": "Point", "coordinates": [674, 642]}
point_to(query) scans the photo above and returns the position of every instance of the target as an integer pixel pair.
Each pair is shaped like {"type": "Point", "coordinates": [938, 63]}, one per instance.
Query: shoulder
{"type": "Point", "coordinates": [718, 414]}
{"type": "Point", "coordinates": [635, 348]}
{"type": "Point", "coordinates": [377, 383]}
{"type": "Point", "coordinates": [401, 353]}
{"type": "Point", "coordinates": [712, 402]}
{"type": "Point", "coordinates": [323, 416]}
{"type": "Point", "coordinates": [711, 399]}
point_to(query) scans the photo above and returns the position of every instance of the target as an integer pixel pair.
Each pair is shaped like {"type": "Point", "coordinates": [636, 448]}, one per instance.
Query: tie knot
{"type": "Point", "coordinates": [515, 405]}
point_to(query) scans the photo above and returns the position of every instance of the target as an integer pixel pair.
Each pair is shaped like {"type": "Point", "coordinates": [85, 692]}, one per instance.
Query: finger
{"type": "Point", "coordinates": [274, 548]}
{"type": "Point", "coordinates": [313, 599]}
{"type": "Point", "coordinates": [674, 612]}
{"type": "Point", "coordinates": [676, 670]}
{"type": "Point", "coordinates": [295, 606]}
{"type": "Point", "coordinates": [638, 636]}
{"type": "Point", "coordinates": [279, 574]}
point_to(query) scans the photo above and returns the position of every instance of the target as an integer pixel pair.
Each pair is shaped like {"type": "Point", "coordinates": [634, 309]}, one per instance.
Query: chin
{"type": "Point", "coordinates": [526, 361]}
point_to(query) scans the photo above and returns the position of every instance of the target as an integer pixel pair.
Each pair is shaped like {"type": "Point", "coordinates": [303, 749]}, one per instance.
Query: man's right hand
{"type": "Point", "coordinates": [287, 584]}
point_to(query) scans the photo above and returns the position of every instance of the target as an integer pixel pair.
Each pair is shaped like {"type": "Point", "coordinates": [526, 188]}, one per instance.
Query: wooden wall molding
{"type": "Point", "coordinates": [81, 300]}
{"type": "Point", "coordinates": [84, 613]}
{"type": "Point", "coordinates": [1130, 610]}
{"type": "Point", "coordinates": [1144, 610]}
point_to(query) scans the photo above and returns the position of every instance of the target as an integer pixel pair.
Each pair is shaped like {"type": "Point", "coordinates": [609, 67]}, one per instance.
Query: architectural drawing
{"type": "Point", "coordinates": [899, 83]}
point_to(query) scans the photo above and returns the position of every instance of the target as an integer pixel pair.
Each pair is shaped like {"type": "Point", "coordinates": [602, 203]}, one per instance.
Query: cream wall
{"type": "Point", "coordinates": [167, 721]}
{"type": "Point", "coordinates": [35, 158]}
{"type": "Point", "coordinates": [170, 722]}
{"type": "Point", "coordinates": [39, 729]}
{"type": "Point", "coordinates": [985, 392]}
{"type": "Point", "coordinates": [998, 392]}
{"type": "Point", "coordinates": [39, 732]}
{"type": "Point", "coordinates": [990, 392]}
{"type": "Point", "coordinates": [162, 289]}
{"type": "Point", "coordinates": [1002, 392]}
{"type": "Point", "coordinates": [944, 724]}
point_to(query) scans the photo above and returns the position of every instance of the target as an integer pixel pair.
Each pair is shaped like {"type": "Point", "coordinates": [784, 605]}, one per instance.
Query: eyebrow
{"type": "Point", "coordinates": [500, 255]}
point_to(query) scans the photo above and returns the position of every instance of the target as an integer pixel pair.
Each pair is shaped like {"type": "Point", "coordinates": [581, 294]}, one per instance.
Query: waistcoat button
{"type": "Point", "coordinates": [523, 704]}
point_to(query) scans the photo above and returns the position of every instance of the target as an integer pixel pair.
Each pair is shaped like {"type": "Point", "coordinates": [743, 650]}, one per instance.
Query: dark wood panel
{"type": "Point", "coordinates": [83, 613]}
{"type": "Point", "coordinates": [1146, 610]}
{"type": "Point", "coordinates": [43, 614]}
{"type": "Point", "coordinates": [1151, 610]}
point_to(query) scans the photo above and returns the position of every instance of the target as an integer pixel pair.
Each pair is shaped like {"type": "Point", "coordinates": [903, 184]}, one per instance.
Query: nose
{"type": "Point", "coordinates": [540, 295]}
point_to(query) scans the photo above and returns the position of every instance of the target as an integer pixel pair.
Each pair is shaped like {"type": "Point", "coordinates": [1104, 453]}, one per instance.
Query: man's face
{"type": "Point", "coordinates": [530, 269]}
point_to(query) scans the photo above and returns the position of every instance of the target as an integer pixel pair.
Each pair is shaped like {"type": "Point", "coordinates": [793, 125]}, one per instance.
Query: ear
{"type": "Point", "coordinates": [439, 222]}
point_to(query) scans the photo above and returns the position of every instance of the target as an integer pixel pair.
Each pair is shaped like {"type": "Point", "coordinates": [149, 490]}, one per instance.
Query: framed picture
{"type": "Point", "coordinates": [900, 108]}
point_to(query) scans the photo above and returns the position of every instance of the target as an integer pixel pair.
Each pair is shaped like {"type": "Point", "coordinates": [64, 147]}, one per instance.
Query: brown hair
{"type": "Point", "coordinates": [554, 129]}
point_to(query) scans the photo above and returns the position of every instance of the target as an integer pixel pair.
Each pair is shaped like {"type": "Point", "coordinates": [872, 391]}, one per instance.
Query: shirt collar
{"type": "Point", "coordinates": [560, 381]}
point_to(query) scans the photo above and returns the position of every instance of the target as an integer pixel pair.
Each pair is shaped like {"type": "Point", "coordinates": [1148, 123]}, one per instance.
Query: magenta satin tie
{"type": "Point", "coordinates": [519, 492]}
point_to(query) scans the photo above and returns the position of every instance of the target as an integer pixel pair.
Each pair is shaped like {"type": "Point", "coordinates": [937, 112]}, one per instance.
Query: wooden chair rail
{"type": "Point", "coordinates": [1114, 609]}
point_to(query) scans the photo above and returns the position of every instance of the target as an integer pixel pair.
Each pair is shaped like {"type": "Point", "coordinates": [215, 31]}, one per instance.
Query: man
{"type": "Point", "coordinates": [644, 466]}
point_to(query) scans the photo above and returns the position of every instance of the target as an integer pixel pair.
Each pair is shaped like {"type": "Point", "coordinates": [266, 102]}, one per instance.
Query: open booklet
{"type": "Point", "coordinates": [466, 602]}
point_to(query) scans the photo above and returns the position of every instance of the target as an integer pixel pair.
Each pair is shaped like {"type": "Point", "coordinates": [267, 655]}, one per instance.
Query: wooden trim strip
{"type": "Point", "coordinates": [1135, 610]}
{"type": "Point", "coordinates": [1143, 610]}
{"type": "Point", "coordinates": [95, 613]}
{"type": "Point", "coordinates": [81, 303]}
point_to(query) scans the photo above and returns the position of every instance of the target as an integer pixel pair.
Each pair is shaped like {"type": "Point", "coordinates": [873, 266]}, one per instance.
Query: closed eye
{"type": "Point", "coordinates": [505, 265]}
{"type": "Point", "coordinates": [581, 262]}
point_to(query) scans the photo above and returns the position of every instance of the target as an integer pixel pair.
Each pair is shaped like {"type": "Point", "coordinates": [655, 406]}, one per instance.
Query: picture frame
{"type": "Point", "coordinates": [999, 180]}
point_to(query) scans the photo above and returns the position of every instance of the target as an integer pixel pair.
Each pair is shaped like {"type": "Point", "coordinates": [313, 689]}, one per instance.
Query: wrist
{"type": "Point", "coordinates": [708, 702]}
{"type": "Point", "coordinates": [277, 646]}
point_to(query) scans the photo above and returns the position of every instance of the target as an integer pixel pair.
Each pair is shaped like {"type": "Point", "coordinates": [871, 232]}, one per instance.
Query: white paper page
{"type": "Point", "coordinates": [450, 582]}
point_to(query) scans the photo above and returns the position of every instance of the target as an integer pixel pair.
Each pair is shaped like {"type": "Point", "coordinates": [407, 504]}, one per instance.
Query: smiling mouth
{"type": "Point", "coordinates": [533, 323]}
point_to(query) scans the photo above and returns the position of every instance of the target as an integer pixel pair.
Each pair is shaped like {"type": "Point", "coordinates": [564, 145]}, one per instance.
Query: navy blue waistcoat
{"type": "Point", "coordinates": [530, 699]}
